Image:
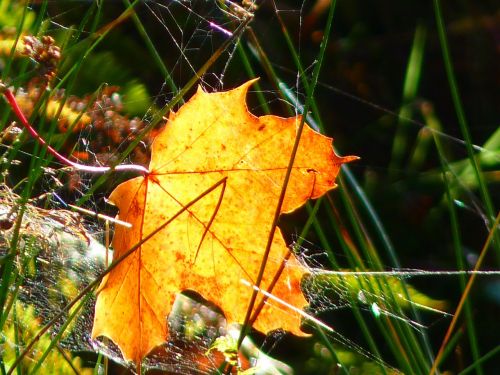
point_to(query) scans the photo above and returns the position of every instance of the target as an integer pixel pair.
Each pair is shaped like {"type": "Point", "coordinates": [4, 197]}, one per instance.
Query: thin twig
{"type": "Point", "coordinates": [101, 216]}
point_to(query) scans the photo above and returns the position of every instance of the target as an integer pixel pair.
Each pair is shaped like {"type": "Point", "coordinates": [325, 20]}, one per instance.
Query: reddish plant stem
{"type": "Point", "coordinates": [11, 99]}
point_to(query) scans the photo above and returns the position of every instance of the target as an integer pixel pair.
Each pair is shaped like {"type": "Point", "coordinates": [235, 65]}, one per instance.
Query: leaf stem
{"type": "Point", "coordinates": [11, 99]}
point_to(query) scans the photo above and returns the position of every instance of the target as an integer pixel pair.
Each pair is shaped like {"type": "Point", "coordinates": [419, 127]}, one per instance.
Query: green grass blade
{"type": "Point", "coordinates": [54, 341]}
{"type": "Point", "coordinates": [410, 90]}
{"type": "Point", "coordinates": [492, 353]}
{"type": "Point", "coordinates": [152, 49]}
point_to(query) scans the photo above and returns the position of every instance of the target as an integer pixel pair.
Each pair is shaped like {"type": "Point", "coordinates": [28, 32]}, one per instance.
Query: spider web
{"type": "Point", "coordinates": [192, 31]}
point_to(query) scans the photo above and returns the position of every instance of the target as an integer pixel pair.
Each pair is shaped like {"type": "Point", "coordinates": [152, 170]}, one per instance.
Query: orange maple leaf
{"type": "Point", "coordinates": [220, 239]}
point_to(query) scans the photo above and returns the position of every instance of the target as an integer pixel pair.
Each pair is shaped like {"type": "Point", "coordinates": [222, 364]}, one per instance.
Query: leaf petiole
{"type": "Point", "coordinates": [11, 99]}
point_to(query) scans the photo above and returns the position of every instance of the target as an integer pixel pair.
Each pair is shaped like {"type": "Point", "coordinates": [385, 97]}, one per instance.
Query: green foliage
{"type": "Point", "coordinates": [136, 99]}
{"type": "Point", "coordinates": [21, 328]}
{"type": "Point", "coordinates": [357, 364]}
{"type": "Point", "coordinates": [12, 11]}
{"type": "Point", "coordinates": [228, 346]}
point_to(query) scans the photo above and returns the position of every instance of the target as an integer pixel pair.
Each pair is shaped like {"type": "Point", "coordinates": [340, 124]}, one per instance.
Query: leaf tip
{"type": "Point", "coordinates": [200, 89]}
{"type": "Point", "coordinates": [243, 88]}
{"type": "Point", "coordinates": [348, 159]}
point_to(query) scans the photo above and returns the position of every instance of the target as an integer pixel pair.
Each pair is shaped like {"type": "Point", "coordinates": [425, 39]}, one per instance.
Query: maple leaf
{"type": "Point", "coordinates": [220, 239]}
